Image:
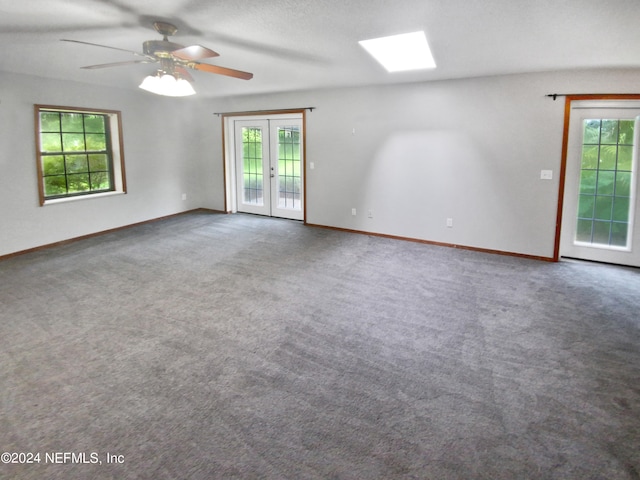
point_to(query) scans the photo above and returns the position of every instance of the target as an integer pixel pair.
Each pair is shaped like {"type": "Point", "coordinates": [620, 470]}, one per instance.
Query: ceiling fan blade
{"type": "Point", "coordinates": [116, 64]}
{"type": "Point", "coordinates": [184, 73]}
{"type": "Point", "coordinates": [112, 48]}
{"type": "Point", "coordinates": [204, 67]}
{"type": "Point", "coordinates": [194, 52]}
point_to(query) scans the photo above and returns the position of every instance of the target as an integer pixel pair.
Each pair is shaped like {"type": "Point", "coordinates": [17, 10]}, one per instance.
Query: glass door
{"type": "Point", "coordinates": [600, 205]}
{"type": "Point", "coordinates": [252, 166]}
{"type": "Point", "coordinates": [269, 167]}
{"type": "Point", "coordinates": [286, 168]}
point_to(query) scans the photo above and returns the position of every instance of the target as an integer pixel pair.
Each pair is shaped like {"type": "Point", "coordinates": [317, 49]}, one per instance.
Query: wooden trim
{"type": "Point", "coordinates": [437, 244]}
{"type": "Point", "coordinates": [103, 232]}
{"type": "Point", "coordinates": [224, 164]}
{"type": "Point", "coordinates": [604, 96]}
{"type": "Point", "coordinates": [304, 166]}
{"type": "Point", "coordinates": [218, 212]}
{"type": "Point", "coordinates": [123, 173]}
{"type": "Point", "coordinates": [565, 146]}
{"type": "Point", "coordinates": [563, 169]}
{"type": "Point", "coordinates": [75, 109]}
{"type": "Point", "coordinates": [36, 129]}
{"type": "Point", "coordinates": [255, 113]}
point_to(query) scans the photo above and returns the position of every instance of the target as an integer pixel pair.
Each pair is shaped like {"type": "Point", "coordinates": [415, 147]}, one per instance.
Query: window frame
{"type": "Point", "coordinates": [116, 159]}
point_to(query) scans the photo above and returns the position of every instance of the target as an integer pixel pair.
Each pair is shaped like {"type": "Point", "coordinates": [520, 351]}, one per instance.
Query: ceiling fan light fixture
{"type": "Point", "coordinates": [183, 88]}
{"type": "Point", "coordinates": [167, 84]}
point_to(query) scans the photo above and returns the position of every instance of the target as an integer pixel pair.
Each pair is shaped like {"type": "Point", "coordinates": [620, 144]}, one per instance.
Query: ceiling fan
{"type": "Point", "coordinates": [174, 59]}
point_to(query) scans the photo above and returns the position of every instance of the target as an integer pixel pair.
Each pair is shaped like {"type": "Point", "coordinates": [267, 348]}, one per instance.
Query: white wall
{"type": "Point", "coordinates": [471, 150]}
{"type": "Point", "coordinates": [165, 148]}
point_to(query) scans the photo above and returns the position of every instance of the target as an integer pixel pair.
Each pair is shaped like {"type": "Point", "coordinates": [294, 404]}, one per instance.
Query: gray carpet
{"type": "Point", "coordinates": [210, 346]}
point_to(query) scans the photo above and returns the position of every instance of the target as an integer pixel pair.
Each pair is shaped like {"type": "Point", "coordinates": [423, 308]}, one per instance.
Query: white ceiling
{"type": "Point", "coordinates": [308, 44]}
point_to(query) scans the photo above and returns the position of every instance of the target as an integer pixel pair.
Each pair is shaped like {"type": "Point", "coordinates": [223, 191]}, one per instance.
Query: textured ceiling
{"type": "Point", "coordinates": [306, 44]}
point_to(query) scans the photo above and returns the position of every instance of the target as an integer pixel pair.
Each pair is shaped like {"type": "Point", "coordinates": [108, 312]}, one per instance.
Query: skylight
{"type": "Point", "coordinates": [399, 53]}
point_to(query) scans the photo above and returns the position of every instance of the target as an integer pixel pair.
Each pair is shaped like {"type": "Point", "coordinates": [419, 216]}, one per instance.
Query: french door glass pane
{"type": "Point", "coordinates": [605, 182]}
{"type": "Point", "coordinates": [252, 165]}
{"type": "Point", "coordinates": [289, 168]}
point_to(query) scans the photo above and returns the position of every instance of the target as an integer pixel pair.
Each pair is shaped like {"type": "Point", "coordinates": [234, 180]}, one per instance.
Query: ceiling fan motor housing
{"type": "Point", "coordinates": [160, 48]}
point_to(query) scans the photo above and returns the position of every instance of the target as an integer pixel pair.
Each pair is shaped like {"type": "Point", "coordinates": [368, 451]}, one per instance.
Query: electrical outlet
{"type": "Point", "coordinates": [449, 222]}
{"type": "Point", "coordinates": [546, 174]}
{"type": "Point", "coordinates": [184, 196]}
{"type": "Point", "coordinates": [353, 212]}
{"type": "Point", "coordinates": [370, 214]}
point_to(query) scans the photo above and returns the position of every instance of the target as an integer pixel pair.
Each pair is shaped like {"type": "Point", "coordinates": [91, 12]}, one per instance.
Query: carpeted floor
{"type": "Point", "coordinates": [210, 346]}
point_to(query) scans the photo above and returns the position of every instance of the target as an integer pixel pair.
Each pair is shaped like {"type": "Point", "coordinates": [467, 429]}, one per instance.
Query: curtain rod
{"type": "Point", "coordinates": [612, 95]}
{"type": "Point", "coordinates": [265, 111]}
{"type": "Point", "coordinates": [556, 95]}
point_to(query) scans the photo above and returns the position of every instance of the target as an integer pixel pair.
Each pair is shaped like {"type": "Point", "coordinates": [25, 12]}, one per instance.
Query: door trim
{"type": "Point", "coordinates": [565, 146]}
{"type": "Point", "coordinates": [228, 145]}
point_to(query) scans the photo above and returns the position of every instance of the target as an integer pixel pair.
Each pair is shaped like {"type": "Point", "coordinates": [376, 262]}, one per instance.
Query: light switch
{"type": "Point", "coordinates": [546, 174]}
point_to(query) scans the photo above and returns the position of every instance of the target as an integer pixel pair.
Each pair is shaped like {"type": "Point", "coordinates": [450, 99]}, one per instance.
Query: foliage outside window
{"type": "Point", "coordinates": [289, 167]}
{"type": "Point", "coordinates": [605, 182]}
{"type": "Point", "coordinates": [79, 152]}
{"type": "Point", "coordinates": [253, 168]}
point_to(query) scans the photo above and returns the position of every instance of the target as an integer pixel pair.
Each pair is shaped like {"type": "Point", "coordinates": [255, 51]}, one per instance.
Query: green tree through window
{"type": "Point", "coordinates": [76, 153]}
{"type": "Point", "coordinates": [605, 182]}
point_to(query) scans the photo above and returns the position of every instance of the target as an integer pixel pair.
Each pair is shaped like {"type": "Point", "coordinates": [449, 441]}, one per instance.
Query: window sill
{"type": "Point", "coordinates": [602, 246]}
{"type": "Point", "coordinates": [56, 201]}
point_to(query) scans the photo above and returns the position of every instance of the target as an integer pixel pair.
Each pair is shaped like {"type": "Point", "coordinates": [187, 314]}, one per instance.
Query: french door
{"type": "Point", "coordinates": [600, 213]}
{"type": "Point", "coordinates": [269, 167]}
